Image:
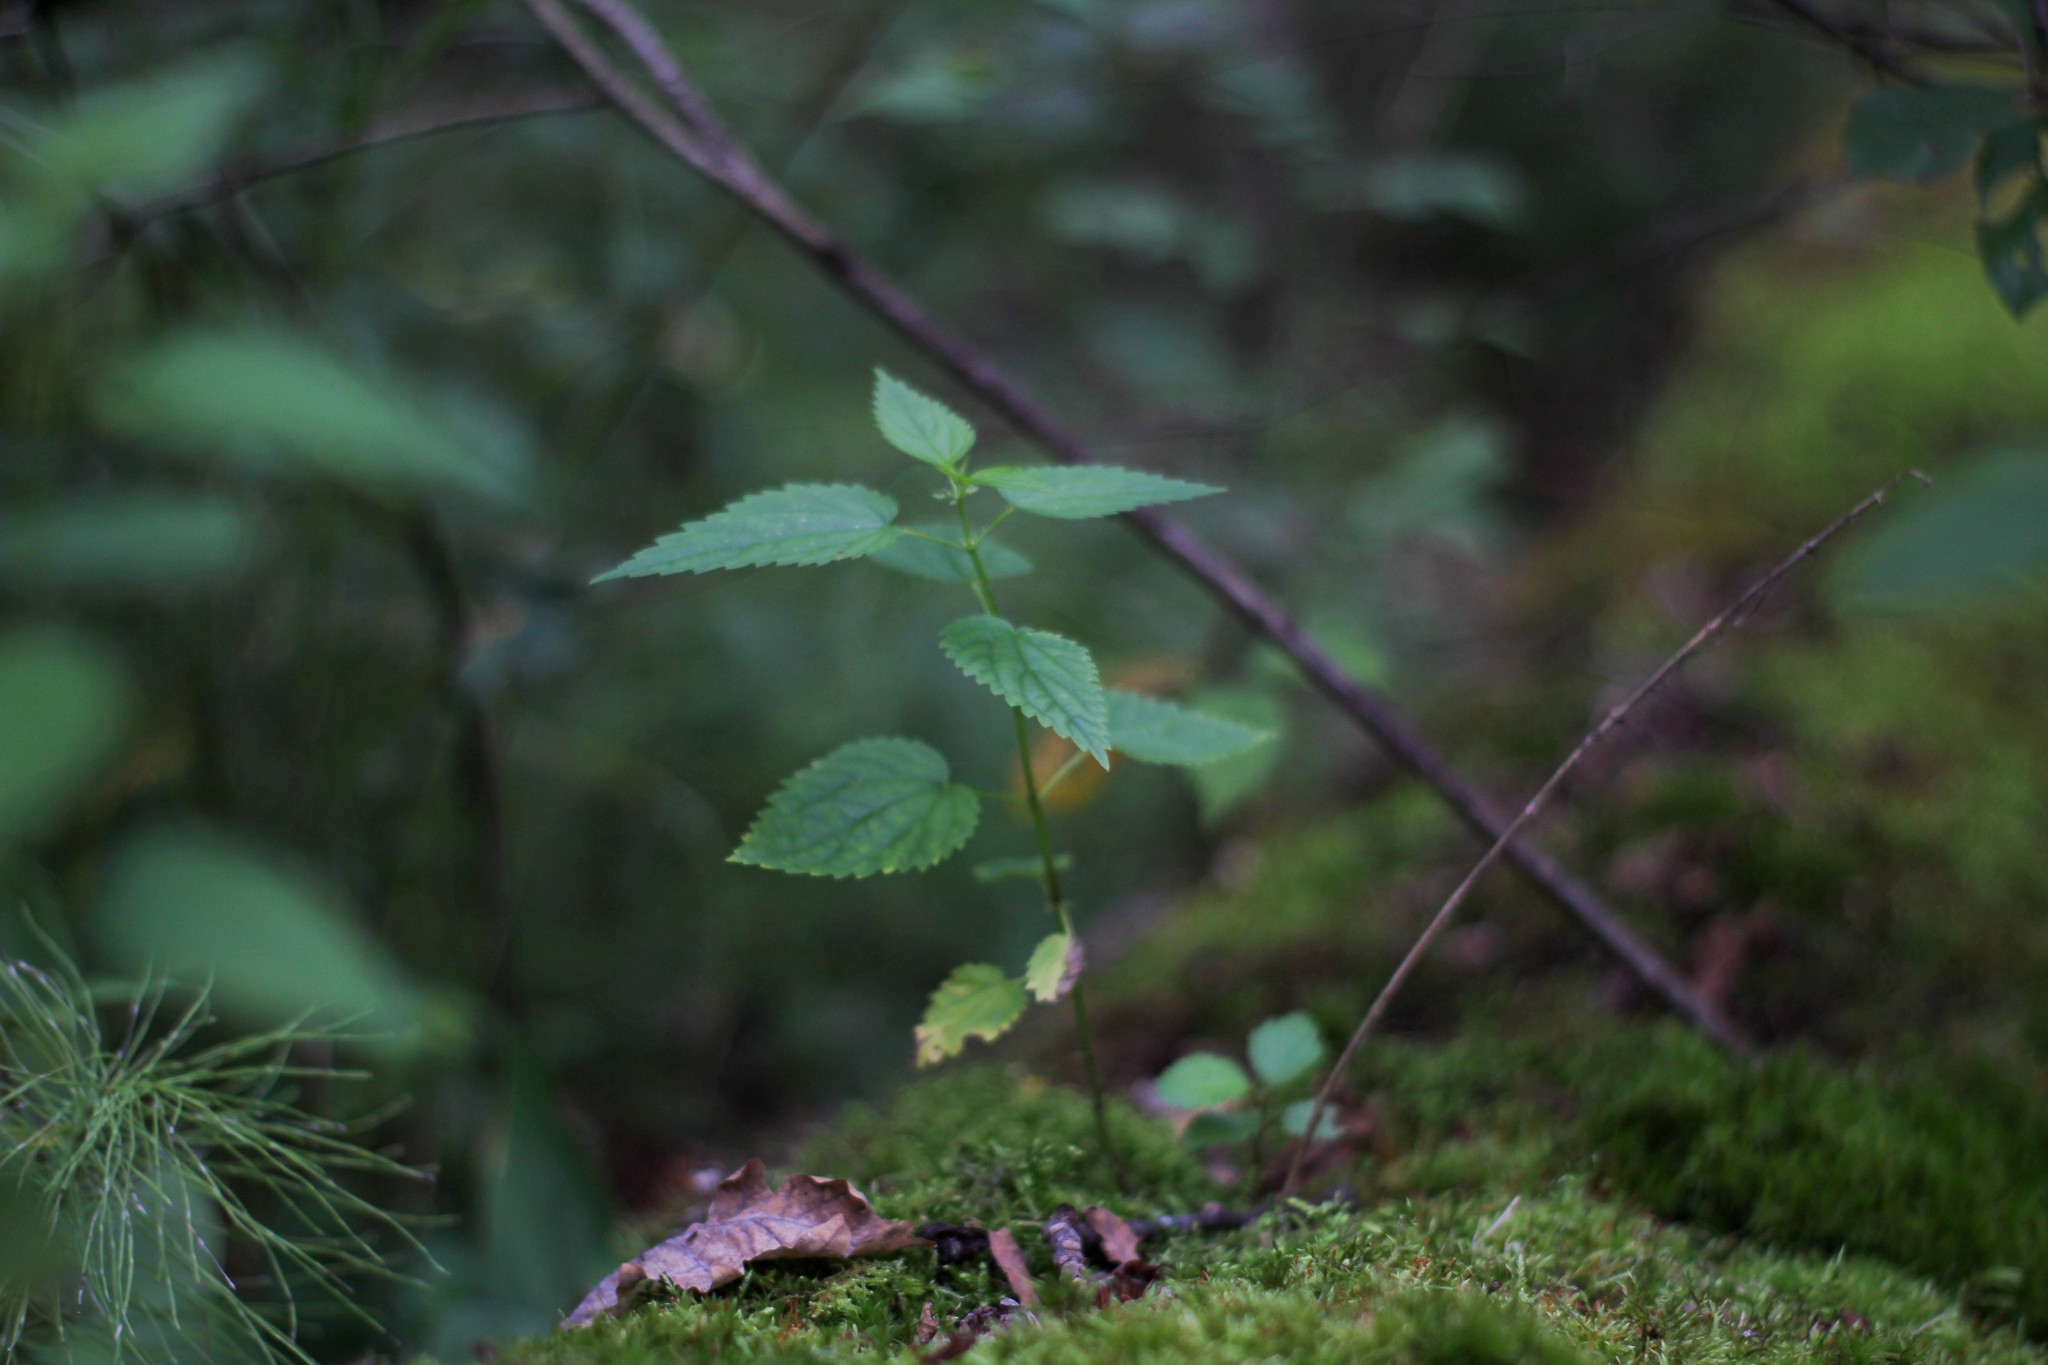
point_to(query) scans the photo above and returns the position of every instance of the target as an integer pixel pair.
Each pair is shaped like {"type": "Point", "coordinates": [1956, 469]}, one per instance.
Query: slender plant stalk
{"type": "Point", "coordinates": [679, 123]}
{"type": "Point", "coordinates": [1055, 894]}
{"type": "Point", "coordinates": [1728, 615]}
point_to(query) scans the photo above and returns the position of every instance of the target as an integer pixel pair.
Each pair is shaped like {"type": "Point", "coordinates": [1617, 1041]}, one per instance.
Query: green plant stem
{"type": "Point", "coordinates": [1055, 894]}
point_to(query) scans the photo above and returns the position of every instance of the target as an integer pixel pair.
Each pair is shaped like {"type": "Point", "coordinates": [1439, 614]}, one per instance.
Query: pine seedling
{"type": "Point", "coordinates": [892, 804]}
{"type": "Point", "coordinates": [135, 1171]}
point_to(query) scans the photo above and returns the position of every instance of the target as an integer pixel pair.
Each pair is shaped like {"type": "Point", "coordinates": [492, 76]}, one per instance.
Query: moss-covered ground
{"type": "Point", "coordinates": [1835, 822]}
{"type": "Point", "coordinates": [1516, 1209]}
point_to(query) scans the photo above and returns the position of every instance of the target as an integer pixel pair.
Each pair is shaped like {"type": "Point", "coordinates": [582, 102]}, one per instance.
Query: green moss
{"type": "Point", "coordinates": [1939, 1172]}
{"type": "Point", "coordinates": [1830, 1216]}
{"type": "Point", "coordinates": [990, 1145]}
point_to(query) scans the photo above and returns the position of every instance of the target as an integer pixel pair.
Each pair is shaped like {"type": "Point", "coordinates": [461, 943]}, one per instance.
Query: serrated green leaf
{"type": "Point", "coordinates": [1203, 1080]}
{"type": "Point", "coordinates": [274, 400]}
{"type": "Point", "coordinates": [922, 428]}
{"type": "Point", "coordinates": [976, 1001]}
{"type": "Point", "coordinates": [1078, 492]}
{"type": "Point", "coordinates": [1048, 677]}
{"type": "Point", "coordinates": [1029, 868]}
{"type": "Point", "coordinates": [802, 524]}
{"type": "Point", "coordinates": [1055, 965]}
{"type": "Point", "coordinates": [1219, 1128]}
{"type": "Point", "coordinates": [1154, 731]}
{"type": "Point", "coordinates": [1922, 132]}
{"type": "Point", "coordinates": [1285, 1048]}
{"type": "Point", "coordinates": [921, 558]}
{"type": "Point", "coordinates": [1295, 1120]}
{"type": "Point", "coordinates": [875, 805]}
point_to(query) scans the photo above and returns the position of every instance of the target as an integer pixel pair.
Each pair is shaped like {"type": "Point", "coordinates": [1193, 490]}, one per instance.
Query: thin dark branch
{"type": "Point", "coordinates": [1856, 39]}
{"type": "Point", "coordinates": [401, 127]}
{"type": "Point", "coordinates": [1729, 615]}
{"type": "Point", "coordinates": [731, 167]}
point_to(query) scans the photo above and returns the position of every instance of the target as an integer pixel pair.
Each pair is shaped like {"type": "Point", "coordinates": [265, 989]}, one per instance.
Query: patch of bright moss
{"type": "Point", "coordinates": [1944, 1173]}
{"type": "Point", "coordinates": [989, 1145]}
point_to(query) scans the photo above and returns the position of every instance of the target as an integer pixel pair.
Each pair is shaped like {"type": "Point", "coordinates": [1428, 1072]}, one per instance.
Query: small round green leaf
{"type": "Point", "coordinates": [1055, 965]}
{"type": "Point", "coordinates": [922, 428]}
{"type": "Point", "coordinates": [1203, 1080]}
{"type": "Point", "coordinates": [1285, 1049]}
{"type": "Point", "coordinates": [1048, 677]}
{"type": "Point", "coordinates": [922, 558]}
{"type": "Point", "coordinates": [976, 1001]}
{"type": "Point", "coordinates": [1154, 731]}
{"type": "Point", "coordinates": [1079, 492]}
{"type": "Point", "coordinates": [1219, 1128]}
{"type": "Point", "coordinates": [1295, 1120]}
{"type": "Point", "coordinates": [802, 524]}
{"type": "Point", "coordinates": [875, 805]}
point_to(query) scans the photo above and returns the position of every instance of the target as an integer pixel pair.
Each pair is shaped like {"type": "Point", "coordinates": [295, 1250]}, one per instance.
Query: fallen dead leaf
{"type": "Point", "coordinates": [1009, 1258]}
{"type": "Point", "coordinates": [1119, 1240]}
{"type": "Point", "coordinates": [750, 1221]}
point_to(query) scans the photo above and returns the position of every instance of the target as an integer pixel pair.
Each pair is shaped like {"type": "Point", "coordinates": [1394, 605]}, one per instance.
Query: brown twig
{"type": "Point", "coordinates": [709, 150]}
{"type": "Point", "coordinates": [400, 127]}
{"type": "Point", "coordinates": [1859, 42]}
{"type": "Point", "coordinates": [1613, 720]}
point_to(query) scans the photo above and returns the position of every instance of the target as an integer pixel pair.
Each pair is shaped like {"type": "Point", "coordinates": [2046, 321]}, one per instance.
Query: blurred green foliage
{"type": "Point", "coordinates": [310, 449]}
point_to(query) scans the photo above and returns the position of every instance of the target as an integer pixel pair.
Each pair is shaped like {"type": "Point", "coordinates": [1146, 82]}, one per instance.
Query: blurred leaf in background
{"type": "Point", "coordinates": [1981, 530]}
{"type": "Point", "coordinates": [272, 400]}
{"type": "Point", "coordinates": [132, 542]}
{"type": "Point", "coordinates": [274, 942]}
{"type": "Point", "coordinates": [65, 705]}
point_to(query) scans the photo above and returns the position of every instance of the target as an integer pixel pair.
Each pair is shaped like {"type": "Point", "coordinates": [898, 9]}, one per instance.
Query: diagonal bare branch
{"type": "Point", "coordinates": [707, 148]}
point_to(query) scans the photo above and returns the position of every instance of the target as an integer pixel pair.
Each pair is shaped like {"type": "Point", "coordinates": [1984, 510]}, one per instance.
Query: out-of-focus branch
{"type": "Point", "coordinates": [706, 147]}
{"type": "Point", "coordinates": [401, 127]}
{"type": "Point", "coordinates": [1729, 615]}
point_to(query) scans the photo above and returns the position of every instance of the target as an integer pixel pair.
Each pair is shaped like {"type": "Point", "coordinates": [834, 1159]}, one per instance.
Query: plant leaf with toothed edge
{"type": "Point", "coordinates": [1203, 1080]}
{"type": "Point", "coordinates": [921, 558]}
{"type": "Point", "coordinates": [922, 428]}
{"type": "Point", "coordinates": [1055, 965]}
{"type": "Point", "coordinates": [1079, 492]}
{"type": "Point", "coordinates": [875, 805]}
{"type": "Point", "coordinates": [801, 524]}
{"type": "Point", "coordinates": [1048, 677]}
{"type": "Point", "coordinates": [1154, 731]}
{"type": "Point", "coordinates": [1285, 1049]}
{"type": "Point", "coordinates": [976, 1001]}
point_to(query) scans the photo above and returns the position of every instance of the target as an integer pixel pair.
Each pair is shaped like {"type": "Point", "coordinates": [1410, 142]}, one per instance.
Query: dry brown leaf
{"type": "Point", "coordinates": [750, 1221]}
{"type": "Point", "coordinates": [1009, 1257]}
{"type": "Point", "coordinates": [1119, 1240]}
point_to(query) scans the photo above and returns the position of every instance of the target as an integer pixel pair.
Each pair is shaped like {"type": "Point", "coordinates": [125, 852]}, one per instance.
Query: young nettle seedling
{"type": "Point", "coordinates": [891, 805]}
{"type": "Point", "coordinates": [1233, 1106]}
